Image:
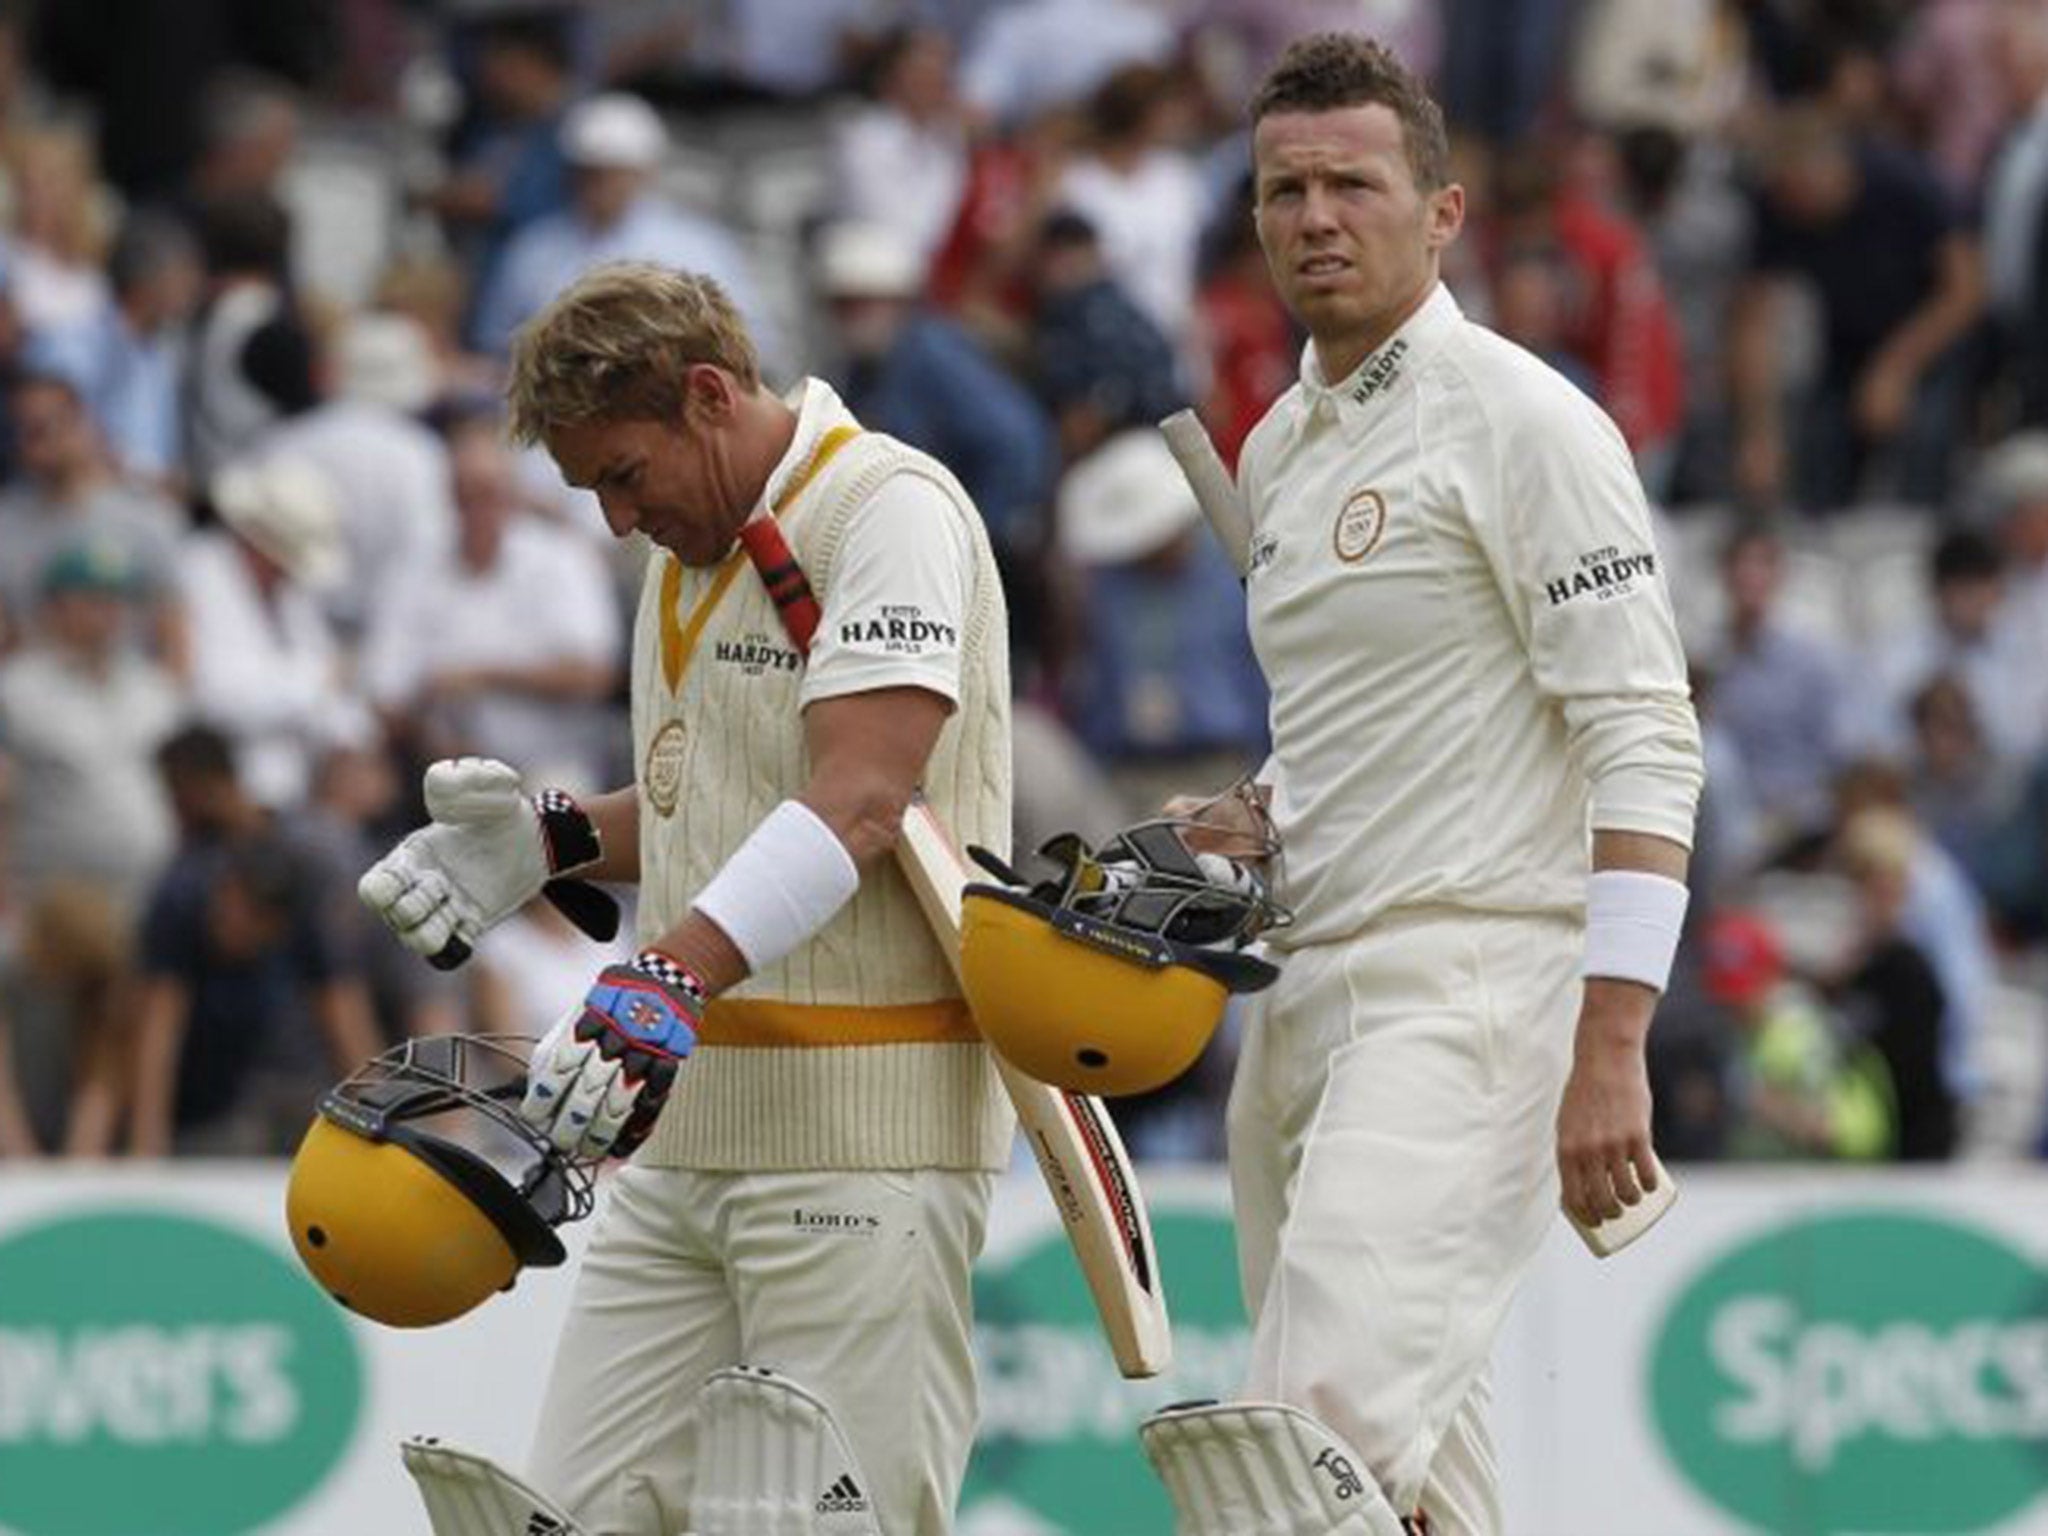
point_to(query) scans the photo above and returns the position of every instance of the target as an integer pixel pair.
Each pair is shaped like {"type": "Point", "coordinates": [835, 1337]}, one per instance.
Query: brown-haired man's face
{"type": "Point", "coordinates": [1351, 239]}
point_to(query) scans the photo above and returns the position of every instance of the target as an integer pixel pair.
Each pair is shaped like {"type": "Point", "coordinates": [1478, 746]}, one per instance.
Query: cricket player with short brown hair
{"type": "Point", "coordinates": [811, 1184]}
{"type": "Point", "coordinates": [1484, 778]}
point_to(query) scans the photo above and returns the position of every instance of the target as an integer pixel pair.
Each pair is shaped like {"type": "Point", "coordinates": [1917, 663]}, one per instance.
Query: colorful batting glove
{"type": "Point", "coordinates": [598, 1079]}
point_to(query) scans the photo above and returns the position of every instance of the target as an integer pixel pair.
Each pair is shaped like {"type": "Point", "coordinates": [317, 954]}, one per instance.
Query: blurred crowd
{"type": "Point", "coordinates": [265, 550]}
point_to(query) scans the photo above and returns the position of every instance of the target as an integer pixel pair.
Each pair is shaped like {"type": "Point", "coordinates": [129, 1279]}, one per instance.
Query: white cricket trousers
{"type": "Point", "coordinates": [854, 1285]}
{"type": "Point", "coordinates": [1393, 1165]}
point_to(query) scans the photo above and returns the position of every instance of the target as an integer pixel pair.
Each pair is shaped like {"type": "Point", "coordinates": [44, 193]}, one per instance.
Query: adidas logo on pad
{"type": "Point", "coordinates": [843, 1498]}
{"type": "Point", "coordinates": [538, 1524]}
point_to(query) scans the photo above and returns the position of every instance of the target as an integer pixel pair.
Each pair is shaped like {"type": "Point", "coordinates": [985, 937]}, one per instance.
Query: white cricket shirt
{"type": "Point", "coordinates": [1464, 623]}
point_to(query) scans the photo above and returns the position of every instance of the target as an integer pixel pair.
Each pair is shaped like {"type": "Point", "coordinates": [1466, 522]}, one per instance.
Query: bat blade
{"type": "Point", "coordinates": [1082, 1158]}
{"type": "Point", "coordinates": [1617, 1232]}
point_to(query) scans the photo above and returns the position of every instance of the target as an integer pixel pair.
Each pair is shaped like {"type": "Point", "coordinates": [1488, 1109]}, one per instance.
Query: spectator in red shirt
{"type": "Point", "coordinates": [980, 272]}
{"type": "Point", "coordinates": [1254, 349]}
{"type": "Point", "coordinates": [1618, 322]}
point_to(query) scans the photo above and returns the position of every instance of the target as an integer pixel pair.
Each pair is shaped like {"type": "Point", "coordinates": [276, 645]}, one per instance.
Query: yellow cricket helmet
{"type": "Point", "coordinates": [419, 1192]}
{"type": "Point", "coordinates": [1109, 979]}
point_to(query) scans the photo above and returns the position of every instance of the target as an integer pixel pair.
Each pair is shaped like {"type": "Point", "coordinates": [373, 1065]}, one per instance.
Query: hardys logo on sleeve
{"type": "Point", "coordinates": [1360, 522]}
{"type": "Point", "coordinates": [898, 629]}
{"type": "Point", "coordinates": [1601, 574]}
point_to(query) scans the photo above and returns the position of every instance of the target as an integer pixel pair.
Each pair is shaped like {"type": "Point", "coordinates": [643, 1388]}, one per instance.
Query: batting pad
{"type": "Point", "coordinates": [773, 1463]}
{"type": "Point", "coordinates": [1261, 1469]}
{"type": "Point", "coordinates": [471, 1495]}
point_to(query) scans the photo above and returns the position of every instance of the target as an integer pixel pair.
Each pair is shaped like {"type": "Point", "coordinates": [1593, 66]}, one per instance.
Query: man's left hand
{"type": "Point", "coordinates": [1603, 1123]}
{"type": "Point", "coordinates": [597, 1081]}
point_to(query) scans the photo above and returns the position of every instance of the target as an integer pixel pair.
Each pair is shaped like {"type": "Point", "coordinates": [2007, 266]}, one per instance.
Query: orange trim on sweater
{"type": "Point", "coordinates": [755, 1023]}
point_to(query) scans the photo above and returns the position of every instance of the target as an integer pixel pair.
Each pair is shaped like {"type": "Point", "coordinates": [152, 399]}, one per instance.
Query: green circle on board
{"type": "Point", "coordinates": [164, 1375]}
{"type": "Point", "coordinates": [1870, 1372]}
{"type": "Point", "coordinates": [1059, 1431]}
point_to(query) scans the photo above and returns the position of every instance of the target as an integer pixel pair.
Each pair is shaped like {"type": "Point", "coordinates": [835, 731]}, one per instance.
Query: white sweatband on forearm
{"type": "Point", "coordinates": [1632, 923]}
{"type": "Point", "coordinates": [781, 885]}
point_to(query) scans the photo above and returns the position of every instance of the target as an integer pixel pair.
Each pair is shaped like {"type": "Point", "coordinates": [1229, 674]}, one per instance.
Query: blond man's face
{"type": "Point", "coordinates": [673, 482]}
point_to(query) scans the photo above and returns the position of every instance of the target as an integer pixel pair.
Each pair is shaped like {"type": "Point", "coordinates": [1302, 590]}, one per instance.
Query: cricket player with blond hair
{"type": "Point", "coordinates": [809, 1188]}
{"type": "Point", "coordinates": [1484, 778]}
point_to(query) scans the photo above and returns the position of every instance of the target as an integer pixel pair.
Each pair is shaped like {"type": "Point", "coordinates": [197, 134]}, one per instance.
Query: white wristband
{"type": "Point", "coordinates": [1632, 923]}
{"type": "Point", "coordinates": [781, 885]}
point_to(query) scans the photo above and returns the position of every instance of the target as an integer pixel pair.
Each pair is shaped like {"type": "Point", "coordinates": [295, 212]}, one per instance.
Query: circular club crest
{"type": "Point", "coordinates": [1359, 526]}
{"type": "Point", "coordinates": [662, 778]}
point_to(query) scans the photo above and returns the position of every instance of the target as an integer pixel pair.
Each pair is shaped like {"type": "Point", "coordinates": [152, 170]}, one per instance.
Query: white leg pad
{"type": "Point", "coordinates": [1261, 1469]}
{"type": "Point", "coordinates": [471, 1495]}
{"type": "Point", "coordinates": [774, 1463]}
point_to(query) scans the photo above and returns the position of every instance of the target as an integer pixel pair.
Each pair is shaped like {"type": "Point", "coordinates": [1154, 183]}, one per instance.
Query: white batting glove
{"type": "Point", "coordinates": [486, 852]}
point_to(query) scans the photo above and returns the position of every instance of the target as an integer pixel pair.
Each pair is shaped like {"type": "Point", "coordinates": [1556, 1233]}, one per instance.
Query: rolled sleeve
{"type": "Point", "coordinates": [1588, 587]}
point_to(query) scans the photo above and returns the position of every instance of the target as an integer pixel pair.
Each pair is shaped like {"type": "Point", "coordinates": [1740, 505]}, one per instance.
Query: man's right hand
{"type": "Point", "coordinates": [487, 851]}
{"type": "Point", "coordinates": [1236, 823]}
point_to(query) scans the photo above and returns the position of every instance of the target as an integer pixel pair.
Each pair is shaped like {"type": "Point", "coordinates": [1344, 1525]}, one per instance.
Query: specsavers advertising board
{"type": "Point", "coordinates": [1793, 1353]}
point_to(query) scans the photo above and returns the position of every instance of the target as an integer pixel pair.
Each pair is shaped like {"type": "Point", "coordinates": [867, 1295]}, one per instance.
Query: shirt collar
{"type": "Point", "coordinates": [1354, 399]}
{"type": "Point", "coordinates": [818, 410]}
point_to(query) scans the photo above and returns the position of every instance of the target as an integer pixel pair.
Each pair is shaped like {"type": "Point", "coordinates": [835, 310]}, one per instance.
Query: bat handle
{"type": "Point", "coordinates": [1617, 1232]}
{"type": "Point", "coordinates": [1215, 492]}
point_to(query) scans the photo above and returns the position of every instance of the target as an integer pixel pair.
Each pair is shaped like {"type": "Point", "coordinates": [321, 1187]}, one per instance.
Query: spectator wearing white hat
{"type": "Point", "coordinates": [388, 471]}
{"type": "Point", "coordinates": [615, 145]}
{"type": "Point", "coordinates": [1167, 686]}
{"type": "Point", "coordinates": [266, 671]}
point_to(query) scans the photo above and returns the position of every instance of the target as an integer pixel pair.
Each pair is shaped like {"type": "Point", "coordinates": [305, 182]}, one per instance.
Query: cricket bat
{"type": "Point", "coordinates": [1079, 1152]}
{"type": "Point", "coordinates": [1216, 494]}
{"type": "Point", "coordinates": [1086, 1169]}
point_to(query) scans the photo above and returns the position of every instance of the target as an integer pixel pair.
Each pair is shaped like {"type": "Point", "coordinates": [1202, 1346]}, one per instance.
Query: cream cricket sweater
{"type": "Point", "coordinates": [855, 1051]}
